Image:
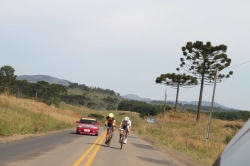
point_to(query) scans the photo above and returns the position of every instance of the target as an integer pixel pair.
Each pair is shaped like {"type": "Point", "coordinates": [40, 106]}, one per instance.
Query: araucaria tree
{"type": "Point", "coordinates": [176, 81]}
{"type": "Point", "coordinates": [202, 60]}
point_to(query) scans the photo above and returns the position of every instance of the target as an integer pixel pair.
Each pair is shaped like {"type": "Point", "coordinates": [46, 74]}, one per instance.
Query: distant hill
{"type": "Point", "coordinates": [184, 103]}
{"type": "Point", "coordinates": [135, 97]}
{"type": "Point", "coordinates": [49, 79]}
{"type": "Point", "coordinates": [205, 103]}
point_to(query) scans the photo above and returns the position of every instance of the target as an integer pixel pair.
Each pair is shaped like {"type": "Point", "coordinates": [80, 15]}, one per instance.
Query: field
{"type": "Point", "coordinates": [183, 133]}
{"type": "Point", "coordinates": [179, 132]}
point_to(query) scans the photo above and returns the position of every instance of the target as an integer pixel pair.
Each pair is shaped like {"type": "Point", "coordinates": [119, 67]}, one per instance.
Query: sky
{"type": "Point", "coordinates": [125, 45]}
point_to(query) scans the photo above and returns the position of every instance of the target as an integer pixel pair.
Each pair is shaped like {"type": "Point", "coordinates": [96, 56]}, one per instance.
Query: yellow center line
{"type": "Point", "coordinates": [91, 147]}
{"type": "Point", "coordinates": [89, 161]}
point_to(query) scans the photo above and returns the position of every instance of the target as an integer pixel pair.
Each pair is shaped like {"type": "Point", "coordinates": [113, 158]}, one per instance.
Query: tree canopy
{"type": "Point", "coordinates": [7, 78]}
{"type": "Point", "coordinates": [176, 81]}
{"type": "Point", "coordinates": [202, 60]}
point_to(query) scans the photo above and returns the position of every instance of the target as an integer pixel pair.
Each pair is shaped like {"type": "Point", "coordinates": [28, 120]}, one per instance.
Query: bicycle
{"type": "Point", "coordinates": [122, 137]}
{"type": "Point", "coordinates": [110, 135]}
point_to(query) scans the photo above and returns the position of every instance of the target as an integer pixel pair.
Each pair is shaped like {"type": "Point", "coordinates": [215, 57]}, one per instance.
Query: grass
{"type": "Point", "coordinates": [22, 116]}
{"type": "Point", "coordinates": [181, 132]}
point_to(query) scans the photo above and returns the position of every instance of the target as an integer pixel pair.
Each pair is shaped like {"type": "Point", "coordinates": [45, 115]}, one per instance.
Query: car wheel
{"type": "Point", "coordinates": [96, 134]}
{"type": "Point", "coordinates": [77, 132]}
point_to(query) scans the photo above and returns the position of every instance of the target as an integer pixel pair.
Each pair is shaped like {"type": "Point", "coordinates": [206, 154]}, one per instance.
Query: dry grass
{"type": "Point", "coordinates": [13, 103]}
{"type": "Point", "coordinates": [181, 132]}
{"type": "Point", "coordinates": [23, 116]}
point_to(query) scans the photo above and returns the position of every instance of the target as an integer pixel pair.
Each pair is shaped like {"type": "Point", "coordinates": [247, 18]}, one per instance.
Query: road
{"type": "Point", "coordinates": [69, 149]}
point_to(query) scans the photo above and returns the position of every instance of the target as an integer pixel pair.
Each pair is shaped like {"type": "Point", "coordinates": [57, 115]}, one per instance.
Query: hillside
{"type": "Point", "coordinates": [97, 98]}
{"type": "Point", "coordinates": [32, 116]}
{"type": "Point", "coordinates": [135, 97]}
{"type": "Point", "coordinates": [80, 94]}
{"type": "Point", "coordinates": [49, 79]}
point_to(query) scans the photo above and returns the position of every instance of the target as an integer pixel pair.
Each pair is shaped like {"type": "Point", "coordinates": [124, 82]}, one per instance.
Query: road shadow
{"type": "Point", "coordinates": [83, 134]}
{"type": "Point", "coordinates": [155, 161]}
{"type": "Point", "coordinates": [143, 146]}
{"type": "Point", "coordinates": [131, 136]}
{"type": "Point", "coordinates": [114, 148]}
{"type": "Point", "coordinates": [96, 144]}
{"type": "Point", "coordinates": [103, 145]}
{"type": "Point", "coordinates": [73, 132]}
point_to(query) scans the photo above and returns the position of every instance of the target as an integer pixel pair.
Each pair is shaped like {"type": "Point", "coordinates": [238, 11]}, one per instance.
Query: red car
{"type": "Point", "coordinates": [88, 126]}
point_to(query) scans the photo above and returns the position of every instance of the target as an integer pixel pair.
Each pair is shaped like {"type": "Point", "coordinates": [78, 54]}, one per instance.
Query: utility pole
{"type": "Point", "coordinates": [211, 109]}
{"type": "Point", "coordinates": [176, 101]}
{"type": "Point", "coordinates": [18, 92]}
{"type": "Point", "coordinates": [163, 116]}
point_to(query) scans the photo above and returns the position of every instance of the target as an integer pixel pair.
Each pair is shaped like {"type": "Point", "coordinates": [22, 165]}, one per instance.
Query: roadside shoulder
{"type": "Point", "coordinates": [179, 156]}
{"type": "Point", "coordinates": [17, 137]}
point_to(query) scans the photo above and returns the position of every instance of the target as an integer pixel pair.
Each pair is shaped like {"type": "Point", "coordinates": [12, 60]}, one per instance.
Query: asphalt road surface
{"type": "Point", "coordinates": [69, 149]}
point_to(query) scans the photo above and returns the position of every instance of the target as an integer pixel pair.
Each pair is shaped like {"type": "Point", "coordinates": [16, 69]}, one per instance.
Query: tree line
{"type": "Point", "coordinates": [51, 94]}
{"type": "Point", "coordinates": [226, 115]}
{"type": "Point", "coordinates": [192, 106]}
{"type": "Point", "coordinates": [42, 90]}
{"type": "Point", "coordinates": [92, 89]}
{"type": "Point", "coordinates": [236, 115]}
{"type": "Point", "coordinates": [147, 109]}
{"type": "Point", "coordinates": [141, 107]}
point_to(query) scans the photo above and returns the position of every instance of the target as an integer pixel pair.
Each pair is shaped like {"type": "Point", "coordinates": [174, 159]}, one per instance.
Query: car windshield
{"type": "Point", "coordinates": [88, 121]}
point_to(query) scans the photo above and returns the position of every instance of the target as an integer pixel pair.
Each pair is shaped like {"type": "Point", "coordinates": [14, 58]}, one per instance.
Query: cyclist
{"type": "Point", "coordinates": [125, 124]}
{"type": "Point", "coordinates": [110, 122]}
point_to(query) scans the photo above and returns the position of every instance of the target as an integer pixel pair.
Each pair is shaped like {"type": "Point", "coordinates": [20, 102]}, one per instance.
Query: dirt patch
{"type": "Point", "coordinates": [179, 156]}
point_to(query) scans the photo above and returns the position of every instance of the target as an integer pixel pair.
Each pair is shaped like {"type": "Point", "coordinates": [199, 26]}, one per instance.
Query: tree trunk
{"type": "Point", "coordinates": [177, 93]}
{"type": "Point", "coordinates": [200, 99]}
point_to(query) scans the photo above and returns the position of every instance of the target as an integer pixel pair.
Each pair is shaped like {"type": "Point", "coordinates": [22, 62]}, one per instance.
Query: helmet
{"type": "Point", "coordinates": [126, 118]}
{"type": "Point", "coordinates": [111, 115]}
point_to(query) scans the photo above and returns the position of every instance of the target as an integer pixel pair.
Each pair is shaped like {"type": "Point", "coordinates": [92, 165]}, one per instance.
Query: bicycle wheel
{"type": "Point", "coordinates": [109, 137]}
{"type": "Point", "coordinates": [121, 138]}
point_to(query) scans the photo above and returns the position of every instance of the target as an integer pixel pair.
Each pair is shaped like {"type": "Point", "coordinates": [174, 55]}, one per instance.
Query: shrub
{"type": "Point", "coordinates": [228, 139]}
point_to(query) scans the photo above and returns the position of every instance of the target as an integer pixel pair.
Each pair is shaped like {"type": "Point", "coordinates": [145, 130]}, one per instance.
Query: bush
{"type": "Point", "coordinates": [228, 139]}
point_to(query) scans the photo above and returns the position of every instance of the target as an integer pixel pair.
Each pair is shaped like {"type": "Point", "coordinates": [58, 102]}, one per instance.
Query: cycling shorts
{"type": "Point", "coordinates": [109, 124]}
{"type": "Point", "coordinates": [124, 127]}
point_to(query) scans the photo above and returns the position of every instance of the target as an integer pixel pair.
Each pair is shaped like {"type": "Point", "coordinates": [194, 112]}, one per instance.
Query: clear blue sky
{"type": "Point", "coordinates": [125, 45]}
